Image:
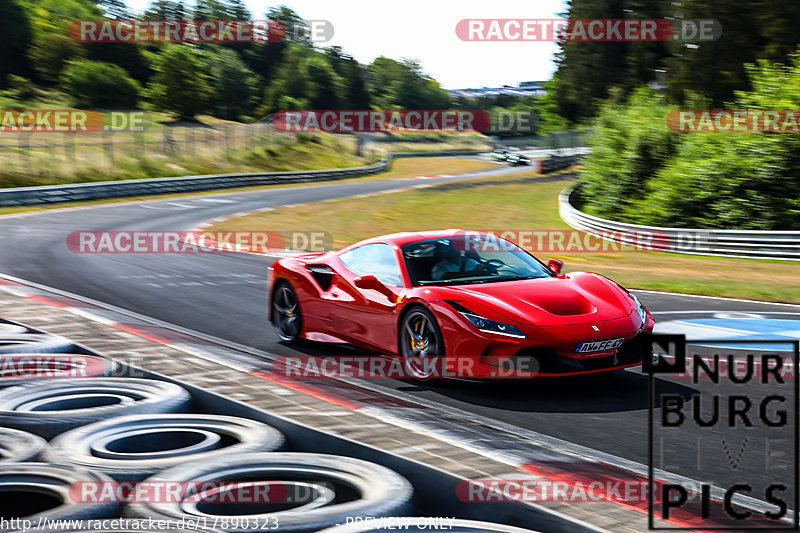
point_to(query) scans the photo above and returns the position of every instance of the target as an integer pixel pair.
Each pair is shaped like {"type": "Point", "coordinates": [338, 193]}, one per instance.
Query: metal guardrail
{"type": "Point", "coordinates": [779, 245]}
{"type": "Point", "coordinates": [48, 194]}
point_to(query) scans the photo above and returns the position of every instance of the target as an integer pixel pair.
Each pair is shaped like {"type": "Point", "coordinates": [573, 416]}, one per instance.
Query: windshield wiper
{"type": "Point", "coordinates": [452, 281]}
{"type": "Point", "coordinates": [474, 279]}
{"type": "Point", "coordinates": [511, 277]}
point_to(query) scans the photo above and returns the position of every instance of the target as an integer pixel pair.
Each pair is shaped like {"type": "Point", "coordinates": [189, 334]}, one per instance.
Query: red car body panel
{"type": "Point", "coordinates": [555, 314]}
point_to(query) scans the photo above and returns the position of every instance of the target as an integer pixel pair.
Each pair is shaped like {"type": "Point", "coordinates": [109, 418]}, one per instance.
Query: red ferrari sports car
{"type": "Point", "coordinates": [479, 304]}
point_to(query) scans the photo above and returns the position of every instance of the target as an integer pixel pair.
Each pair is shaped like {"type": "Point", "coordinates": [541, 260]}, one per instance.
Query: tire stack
{"type": "Point", "coordinates": [63, 441]}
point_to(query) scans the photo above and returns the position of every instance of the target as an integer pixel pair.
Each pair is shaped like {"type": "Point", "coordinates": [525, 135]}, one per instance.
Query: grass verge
{"type": "Point", "coordinates": [508, 204]}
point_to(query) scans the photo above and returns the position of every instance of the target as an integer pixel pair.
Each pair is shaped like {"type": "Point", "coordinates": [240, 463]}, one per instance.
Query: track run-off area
{"type": "Point", "coordinates": [223, 295]}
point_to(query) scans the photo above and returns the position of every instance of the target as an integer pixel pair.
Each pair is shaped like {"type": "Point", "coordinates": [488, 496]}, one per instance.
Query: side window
{"type": "Point", "coordinates": [374, 259]}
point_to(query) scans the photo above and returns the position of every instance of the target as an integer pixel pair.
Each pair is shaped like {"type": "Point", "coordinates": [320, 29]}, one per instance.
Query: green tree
{"type": "Point", "coordinates": [630, 143]}
{"type": "Point", "coordinates": [337, 58]}
{"type": "Point", "coordinates": [384, 77]}
{"type": "Point", "coordinates": [641, 171]}
{"type": "Point", "coordinates": [96, 84]}
{"type": "Point", "coordinates": [234, 85]}
{"type": "Point", "coordinates": [586, 71]}
{"type": "Point", "coordinates": [293, 23]}
{"type": "Point", "coordinates": [54, 16]}
{"type": "Point", "coordinates": [402, 84]}
{"type": "Point", "coordinates": [355, 95]}
{"type": "Point", "coordinates": [180, 83]}
{"type": "Point", "coordinates": [737, 180]}
{"type": "Point", "coordinates": [50, 52]}
{"type": "Point", "coordinates": [325, 84]}
{"type": "Point", "coordinates": [114, 9]}
{"type": "Point", "coordinates": [779, 35]}
{"type": "Point", "coordinates": [716, 68]}
{"type": "Point", "coordinates": [220, 10]}
{"type": "Point", "coordinates": [15, 38]}
{"type": "Point", "coordinates": [166, 10]}
{"type": "Point", "coordinates": [129, 56]}
{"type": "Point", "coordinates": [290, 87]}
{"type": "Point", "coordinates": [264, 58]}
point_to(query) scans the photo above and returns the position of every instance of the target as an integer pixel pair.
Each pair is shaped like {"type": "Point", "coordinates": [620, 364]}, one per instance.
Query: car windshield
{"type": "Point", "coordinates": [469, 259]}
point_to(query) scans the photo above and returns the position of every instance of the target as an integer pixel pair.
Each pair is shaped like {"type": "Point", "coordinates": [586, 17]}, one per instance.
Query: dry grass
{"type": "Point", "coordinates": [401, 168]}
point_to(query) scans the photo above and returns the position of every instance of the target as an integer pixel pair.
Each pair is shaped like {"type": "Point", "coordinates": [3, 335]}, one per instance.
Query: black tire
{"type": "Point", "coordinates": [417, 524]}
{"type": "Point", "coordinates": [287, 316]}
{"type": "Point", "coordinates": [63, 404]}
{"type": "Point", "coordinates": [85, 366]}
{"type": "Point", "coordinates": [34, 343]}
{"type": "Point", "coordinates": [362, 488]}
{"type": "Point", "coordinates": [33, 490]}
{"type": "Point", "coordinates": [422, 351]}
{"type": "Point", "coordinates": [145, 444]}
{"type": "Point", "coordinates": [19, 446]}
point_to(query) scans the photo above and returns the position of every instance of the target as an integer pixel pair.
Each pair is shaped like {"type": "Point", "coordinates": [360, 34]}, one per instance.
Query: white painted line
{"type": "Point", "coordinates": [698, 331]}
{"type": "Point", "coordinates": [714, 297]}
{"type": "Point", "coordinates": [412, 449]}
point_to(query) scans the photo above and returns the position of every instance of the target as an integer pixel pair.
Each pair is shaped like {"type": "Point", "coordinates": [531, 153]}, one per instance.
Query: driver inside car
{"type": "Point", "coordinates": [453, 262]}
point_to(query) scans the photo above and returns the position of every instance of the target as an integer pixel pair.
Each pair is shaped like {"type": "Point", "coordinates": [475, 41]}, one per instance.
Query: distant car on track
{"type": "Point", "coordinates": [468, 299]}
{"type": "Point", "coordinates": [518, 159]}
{"type": "Point", "coordinates": [502, 154]}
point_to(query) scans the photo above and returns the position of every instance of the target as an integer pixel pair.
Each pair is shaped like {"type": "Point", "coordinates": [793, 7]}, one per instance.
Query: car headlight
{"type": "Point", "coordinates": [491, 326]}
{"type": "Point", "coordinates": [639, 308]}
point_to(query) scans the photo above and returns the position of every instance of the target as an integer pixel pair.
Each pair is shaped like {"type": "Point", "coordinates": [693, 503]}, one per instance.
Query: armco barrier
{"type": "Point", "coordinates": [49, 194]}
{"type": "Point", "coordinates": [781, 245]}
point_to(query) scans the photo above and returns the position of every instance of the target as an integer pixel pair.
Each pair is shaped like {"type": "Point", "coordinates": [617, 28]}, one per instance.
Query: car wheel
{"type": "Point", "coordinates": [286, 315]}
{"type": "Point", "coordinates": [421, 344]}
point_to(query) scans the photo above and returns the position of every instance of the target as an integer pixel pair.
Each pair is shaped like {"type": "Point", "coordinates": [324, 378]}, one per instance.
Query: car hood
{"type": "Point", "coordinates": [573, 298]}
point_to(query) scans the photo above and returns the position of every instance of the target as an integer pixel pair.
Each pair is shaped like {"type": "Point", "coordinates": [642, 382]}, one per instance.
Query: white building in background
{"type": "Point", "coordinates": [526, 88]}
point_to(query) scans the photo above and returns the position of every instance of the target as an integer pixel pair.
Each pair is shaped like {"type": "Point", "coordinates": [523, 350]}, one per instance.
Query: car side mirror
{"type": "Point", "coordinates": [555, 265]}
{"type": "Point", "coordinates": [373, 283]}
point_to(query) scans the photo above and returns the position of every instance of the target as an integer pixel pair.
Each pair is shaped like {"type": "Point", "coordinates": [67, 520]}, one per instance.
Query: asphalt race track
{"type": "Point", "coordinates": [223, 295]}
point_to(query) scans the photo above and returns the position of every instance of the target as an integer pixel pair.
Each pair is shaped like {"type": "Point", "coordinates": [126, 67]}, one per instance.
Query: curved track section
{"type": "Point", "coordinates": [224, 295]}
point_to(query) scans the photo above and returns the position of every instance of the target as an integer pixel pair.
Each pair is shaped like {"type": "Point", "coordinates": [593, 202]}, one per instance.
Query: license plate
{"type": "Point", "coordinates": [599, 346]}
